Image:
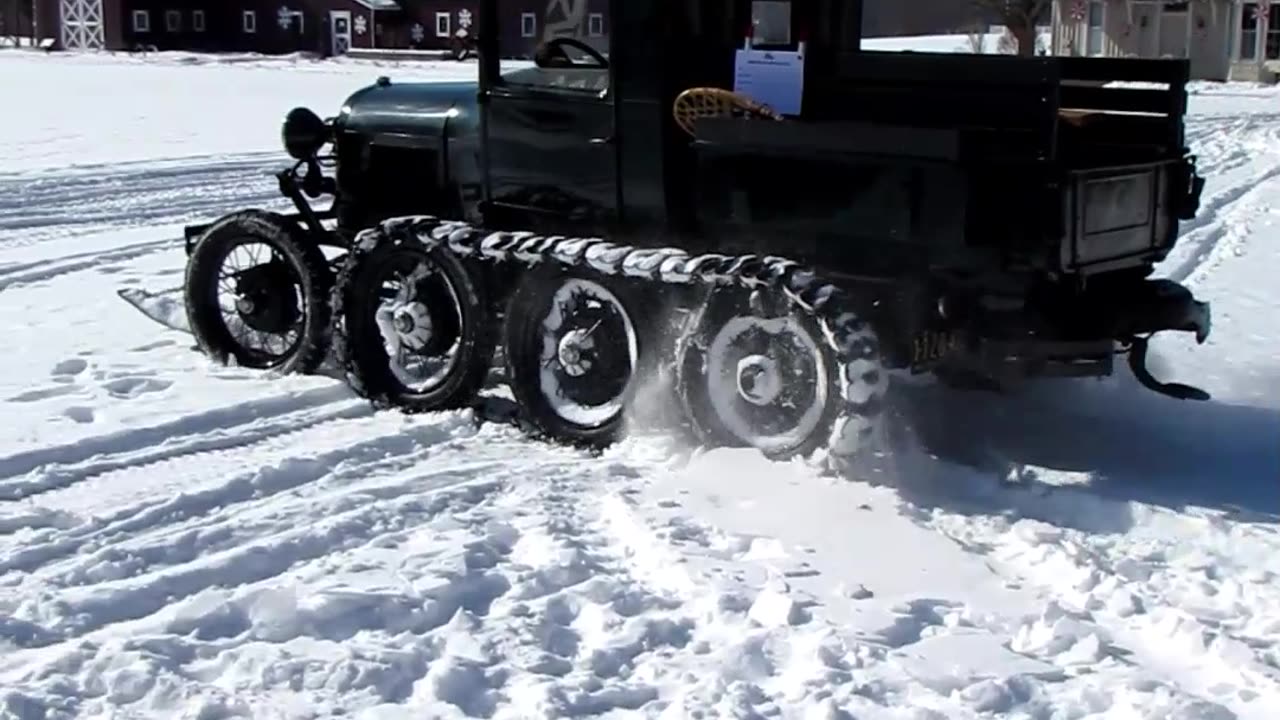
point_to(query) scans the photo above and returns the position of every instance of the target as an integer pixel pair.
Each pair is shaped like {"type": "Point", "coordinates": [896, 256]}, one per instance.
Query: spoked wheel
{"type": "Point", "coordinates": [413, 329]}
{"type": "Point", "coordinates": [573, 349]}
{"type": "Point", "coordinates": [257, 293]}
{"type": "Point", "coordinates": [770, 382]}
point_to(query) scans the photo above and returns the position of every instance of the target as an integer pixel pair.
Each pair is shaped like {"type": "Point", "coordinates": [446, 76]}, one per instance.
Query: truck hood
{"type": "Point", "coordinates": [418, 108]}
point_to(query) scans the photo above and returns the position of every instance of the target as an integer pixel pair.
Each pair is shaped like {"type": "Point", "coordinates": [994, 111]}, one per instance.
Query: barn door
{"type": "Point", "coordinates": [340, 31]}
{"type": "Point", "coordinates": [81, 22]}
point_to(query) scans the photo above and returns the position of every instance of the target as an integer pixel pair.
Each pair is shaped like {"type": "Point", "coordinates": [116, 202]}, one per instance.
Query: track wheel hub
{"type": "Point", "coordinates": [574, 352]}
{"type": "Point", "coordinates": [412, 323]}
{"type": "Point", "coordinates": [759, 381]}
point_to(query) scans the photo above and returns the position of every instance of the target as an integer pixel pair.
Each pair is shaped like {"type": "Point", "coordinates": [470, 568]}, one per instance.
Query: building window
{"type": "Point", "coordinates": [173, 20]}
{"type": "Point", "coordinates": [1094, 38]}
{"type": "Point", "coordinates": [528, 24]}
{"type": "Point", "coordinates": [442, 24]}
{"type": "Point", "coordinates": [1249, 31]}
{"type": "Point", "coordinates": [197, 20]}
{"type": "Point", "coordinates": [141, 21]}
{"type": "Point", "coordinates": [285, 18]}
{"type": "Point", "coordinates": [595, 24]}
{"type": "Point", "coordinates": [1272, 51]}
{"type": "Point", "coordinates": [249, 21]}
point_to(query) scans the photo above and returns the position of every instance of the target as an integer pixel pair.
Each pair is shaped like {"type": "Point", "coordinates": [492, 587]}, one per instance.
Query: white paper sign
{"type": "Point", "coordinates": [772, 77]}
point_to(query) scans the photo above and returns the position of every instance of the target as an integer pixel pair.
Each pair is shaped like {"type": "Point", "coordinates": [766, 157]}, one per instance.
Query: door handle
{"type": "Point", "coordinates": [602, 140]}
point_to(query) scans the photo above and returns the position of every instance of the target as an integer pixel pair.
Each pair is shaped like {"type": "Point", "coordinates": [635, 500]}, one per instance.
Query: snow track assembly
{"type": "Point", "coordinates": [729, 201]}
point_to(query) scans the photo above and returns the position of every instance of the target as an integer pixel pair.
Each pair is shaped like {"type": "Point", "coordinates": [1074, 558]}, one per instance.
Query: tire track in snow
{"type": "Point", "coordinates": [223, 427]}
{"type": "Point", "coordinates": [1218, 149]}
{"type": "Point", "coordinates": [38, 206]}
{"type": "Point", "coordinates": [63, 205]}
{"type": "Point", "coordinates": [225, 509]}
{"type": "Point", "coordinates": [31, 272]}
{"type": "Point", "coordinates": [1247, 140]}
{"type": "Point", "coordinates": [1193, 615]}
{"type": "Point", "coordinates": [255, 529]}
{"type": "Point", "coordinates": [204, 485]}
{"type": "Point", "coordinates": [450, 587]}
{"type": "Point", "coordinates": [242, 560]}
{"type": "Point", "coordinates": [177, 600]}
{"type": "Point", "coordinates": [62, 486]}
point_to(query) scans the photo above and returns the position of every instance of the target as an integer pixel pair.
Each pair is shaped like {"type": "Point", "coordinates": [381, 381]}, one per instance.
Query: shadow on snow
{"type": "Point", "coordinates": [1075, 453]}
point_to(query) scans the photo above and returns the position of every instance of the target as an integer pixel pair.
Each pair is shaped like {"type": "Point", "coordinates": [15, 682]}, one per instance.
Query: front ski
{"type": "Point", "coordinates": [164, 307]}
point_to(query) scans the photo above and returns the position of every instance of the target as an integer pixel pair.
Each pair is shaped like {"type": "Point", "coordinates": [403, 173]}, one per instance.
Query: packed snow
{"type": "Point", "coordinates": [179, 539]}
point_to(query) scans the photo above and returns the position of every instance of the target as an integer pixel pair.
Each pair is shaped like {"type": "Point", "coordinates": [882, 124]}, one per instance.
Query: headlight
{"type": "Point", "coordinates": [304, 133]}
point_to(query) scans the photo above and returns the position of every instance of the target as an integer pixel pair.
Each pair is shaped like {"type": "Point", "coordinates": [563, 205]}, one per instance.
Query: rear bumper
{"type": "Point", "coordinates": [1080, 336]}
{"type": "Point", "coordinates": [1143, 308]}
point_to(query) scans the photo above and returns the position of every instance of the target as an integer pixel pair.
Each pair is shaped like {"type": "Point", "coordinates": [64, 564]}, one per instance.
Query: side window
{"type": "Point", "coordinates": [564, 46]}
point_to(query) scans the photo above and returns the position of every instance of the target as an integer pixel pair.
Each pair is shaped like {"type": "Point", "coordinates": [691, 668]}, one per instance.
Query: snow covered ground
{"type": "Point", "coordinates": [183, 540]}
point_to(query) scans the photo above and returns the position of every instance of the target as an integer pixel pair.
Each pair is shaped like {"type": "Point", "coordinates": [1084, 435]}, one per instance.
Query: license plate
{"type": "Point", "coordinates": [931, 346]}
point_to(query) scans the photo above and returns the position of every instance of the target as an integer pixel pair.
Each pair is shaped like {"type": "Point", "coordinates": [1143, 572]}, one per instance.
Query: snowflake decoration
{"type": "Point", "coordinates": [417, 32]}
{"type": "Point", "coordinates": [1079, 9]}
{"type": "Point", "coordinates": [284, 17]}
{"type": "Point", "coordinates": [362, 25]}
{"type": "Point", "coordinates": [464, 18]}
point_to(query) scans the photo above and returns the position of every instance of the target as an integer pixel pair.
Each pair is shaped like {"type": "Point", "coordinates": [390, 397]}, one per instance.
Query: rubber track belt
{"type": "Point", "coordinates": [863, 381]}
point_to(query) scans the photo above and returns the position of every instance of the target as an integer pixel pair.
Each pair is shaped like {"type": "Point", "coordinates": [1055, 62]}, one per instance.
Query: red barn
{"type": "Point", "coordinates": [330, 27]}
{"type": "Point", "coordinates": [327, 27]}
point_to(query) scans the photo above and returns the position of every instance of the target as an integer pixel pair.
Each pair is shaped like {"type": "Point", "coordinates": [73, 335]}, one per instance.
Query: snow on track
{"type": "Point", "coordinates": [184, 540]}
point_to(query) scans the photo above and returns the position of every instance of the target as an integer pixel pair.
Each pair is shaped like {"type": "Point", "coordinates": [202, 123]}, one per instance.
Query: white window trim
{"type": "Point", "coordinates": [173, 21]}
{"type": "Point", "coordinates": [526, 20]}
{"type": "Point", "coordinates": [1238, 11]}
{"type": "Point", "coordinates": [443, 24]}
{"type": "Point", "coordinates": [197, 20]}
{"type": "Point", "coordinates": [299, 17]}
{"type": "Point", "coordinates": [249, 21]}
{"type": "Point", "coordinates": [1260, 32]}
{"type": "Point", "coordinates": [1265, 32]}
{"type": "Point", "coordinates": [595, 24]}
{"type": "Point", "coordinates": [141, 21]}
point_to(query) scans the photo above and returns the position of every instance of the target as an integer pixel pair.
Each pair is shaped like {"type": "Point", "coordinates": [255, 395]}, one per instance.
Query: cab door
{"type": "Point", "coordinates": [550, 138]}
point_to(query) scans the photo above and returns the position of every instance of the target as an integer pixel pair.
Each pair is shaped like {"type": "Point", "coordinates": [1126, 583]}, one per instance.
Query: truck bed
{"type": "Point", "coordinates": [1060, 164]}
{"type": "Point", "coordinates": [1072, 112]}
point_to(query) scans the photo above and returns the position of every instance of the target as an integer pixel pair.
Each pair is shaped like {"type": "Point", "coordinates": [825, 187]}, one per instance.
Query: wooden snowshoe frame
{"type": "Point", "coordinates": [711, 102]}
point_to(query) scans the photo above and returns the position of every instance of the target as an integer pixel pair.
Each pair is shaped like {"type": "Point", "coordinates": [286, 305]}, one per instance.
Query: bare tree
{"type": "Point", "coordinates": [976, 38]}
{"type": "Point", "coordinates": [1020, 17]}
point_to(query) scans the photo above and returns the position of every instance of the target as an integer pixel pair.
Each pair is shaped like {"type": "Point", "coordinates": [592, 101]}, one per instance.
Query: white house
{"type": "Point", "coordinates": [1255, 46]}
{"type": "Point", "coordinates": [1224, 39]}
